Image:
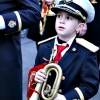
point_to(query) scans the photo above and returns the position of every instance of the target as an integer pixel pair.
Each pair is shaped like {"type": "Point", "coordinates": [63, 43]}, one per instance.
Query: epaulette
{"type": "Point", "coordinates": [43, 41]}
{"type": "Point", "coordinates": [87, 44]}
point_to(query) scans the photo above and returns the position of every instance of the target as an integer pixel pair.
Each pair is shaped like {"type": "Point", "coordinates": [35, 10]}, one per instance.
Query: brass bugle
{"type": "Point", "coordinates": [93, 1]}
{"type": "Point", "coordinates": [40, 87]}
{"type": "Point", "coordinates": [48, 93]}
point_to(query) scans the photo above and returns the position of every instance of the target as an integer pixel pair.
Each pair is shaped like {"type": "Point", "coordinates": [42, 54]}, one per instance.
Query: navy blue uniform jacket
{"type": "Point", "coordinates": [17, 14]}
{"type": "Point", "coordinates": [79, 67]}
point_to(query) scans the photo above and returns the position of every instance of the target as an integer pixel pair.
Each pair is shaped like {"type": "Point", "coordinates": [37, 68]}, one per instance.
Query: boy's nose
{"type": "Point", "coordinates": [62, 21]}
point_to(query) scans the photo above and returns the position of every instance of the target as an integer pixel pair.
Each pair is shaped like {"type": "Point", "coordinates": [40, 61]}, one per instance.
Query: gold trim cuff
{"type": "Point", "coordinates": [80, 93]}
{"type": "Point", "coordinates": [19, 20]}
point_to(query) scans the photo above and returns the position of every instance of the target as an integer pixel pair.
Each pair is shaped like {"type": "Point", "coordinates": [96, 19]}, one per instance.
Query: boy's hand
{"type": "Point", "coordinates": [60, 97]}
{"type": "Point", "coordinates": [40, 76]}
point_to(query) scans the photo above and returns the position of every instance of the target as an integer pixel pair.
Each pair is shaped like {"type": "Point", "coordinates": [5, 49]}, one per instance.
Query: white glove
{"type": "Point", "coordinates": [60, 97]}
{"type": "Point", "coordinates": [40, 76]}
{"type": "Point", "coordinates": [2, 23]}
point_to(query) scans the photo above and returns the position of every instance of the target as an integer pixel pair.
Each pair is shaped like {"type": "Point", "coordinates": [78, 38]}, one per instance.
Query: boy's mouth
{"type": "Point", "coordinates": [60, 27]}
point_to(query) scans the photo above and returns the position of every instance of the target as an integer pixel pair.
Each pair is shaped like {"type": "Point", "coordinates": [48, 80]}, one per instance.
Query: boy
{"type": "Point", "coordinates": [47, 26]}
{"type": "Point", "coordinates": [79, 65]}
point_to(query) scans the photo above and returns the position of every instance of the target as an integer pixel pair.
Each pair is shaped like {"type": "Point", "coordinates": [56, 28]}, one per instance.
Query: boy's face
{"type": "Point", "coordinates": [66, 25]}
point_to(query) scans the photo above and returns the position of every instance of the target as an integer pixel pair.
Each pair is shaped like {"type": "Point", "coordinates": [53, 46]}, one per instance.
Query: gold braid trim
{"type": "Point", "coordinates": [46, 11]}
{"type": "Point", "coordinates": [80, 93]}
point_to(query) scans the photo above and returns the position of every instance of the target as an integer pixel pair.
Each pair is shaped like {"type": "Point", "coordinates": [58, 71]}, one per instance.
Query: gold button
{"type": "Point", "coordinates": [74, 49]}
{"type": "Point", "coordinates": [75, 99]}
{"type": "Point", "coordinates": [60, 91]}
{"type": "Point", "coordinates": [63, 77]}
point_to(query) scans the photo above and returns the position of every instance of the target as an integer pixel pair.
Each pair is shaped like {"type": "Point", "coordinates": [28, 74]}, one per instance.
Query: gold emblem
{"type": "Point", "coordinates": [74, 49]}
{"type": "Point", "coordinates": [68, 1]}
{"type": "Point", "coordinates": [12, 24]}
{"type": "Point", "coordinates": [31, 77]}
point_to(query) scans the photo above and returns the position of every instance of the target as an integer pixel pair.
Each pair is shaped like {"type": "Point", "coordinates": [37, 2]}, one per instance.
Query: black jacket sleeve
{"type": "Point", "coordinates": [21, 14]}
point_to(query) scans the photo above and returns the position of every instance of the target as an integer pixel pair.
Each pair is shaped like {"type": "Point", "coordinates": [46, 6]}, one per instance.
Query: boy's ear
{"type": "Point", "coordinates": [79, 27]}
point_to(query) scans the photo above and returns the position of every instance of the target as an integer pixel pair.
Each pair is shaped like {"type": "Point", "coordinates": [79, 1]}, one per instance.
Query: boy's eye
{"type": "Point", "coordinates": [69, 18]}
{"type": "Point", "coordinates": [58, 15]}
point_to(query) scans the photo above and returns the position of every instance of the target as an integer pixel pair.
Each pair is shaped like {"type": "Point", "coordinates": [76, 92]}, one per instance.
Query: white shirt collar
{"type": "Point", "coordinates": [64, 44]}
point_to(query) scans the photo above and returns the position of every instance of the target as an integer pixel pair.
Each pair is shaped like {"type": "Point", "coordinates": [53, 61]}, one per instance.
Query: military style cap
{"type": "Point", "coordinates": [82, 9]}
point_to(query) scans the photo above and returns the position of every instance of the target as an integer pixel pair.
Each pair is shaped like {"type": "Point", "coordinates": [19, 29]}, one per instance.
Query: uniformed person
{"type": "Point", "coordinates": [79, 65]}
{"type": "Point", "coordinates": [49, 31]}
{"type": "Point", "coordinates": [15, 15]}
